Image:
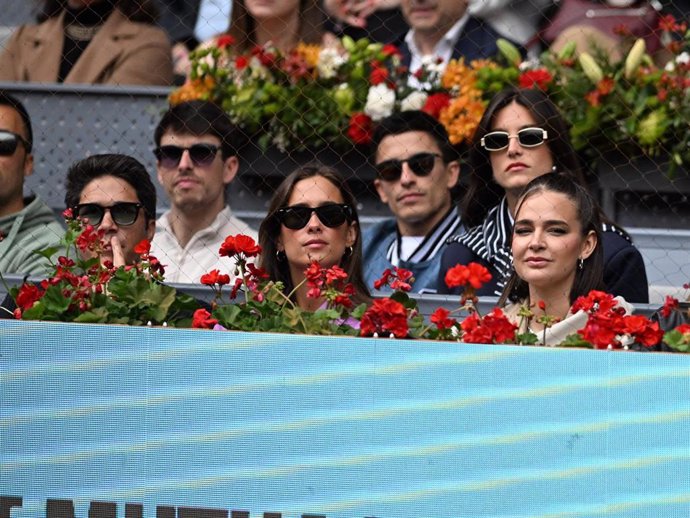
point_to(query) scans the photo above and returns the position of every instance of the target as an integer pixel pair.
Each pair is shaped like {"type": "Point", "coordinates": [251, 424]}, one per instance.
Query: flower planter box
{"type": "Point", "coordinates": [155, 419]}
{"type": "Point", "coordinates": [637, 191]}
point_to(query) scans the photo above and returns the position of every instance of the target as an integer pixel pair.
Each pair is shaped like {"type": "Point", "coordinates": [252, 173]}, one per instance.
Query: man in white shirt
{"type": "Point", "coordinates": [444, 29]}
{"type": "Point", "coordinates": [196, 160]}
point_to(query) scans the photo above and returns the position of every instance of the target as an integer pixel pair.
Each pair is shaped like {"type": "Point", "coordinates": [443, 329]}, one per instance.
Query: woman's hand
{"type": "Point", "coordinates": [355, 12]}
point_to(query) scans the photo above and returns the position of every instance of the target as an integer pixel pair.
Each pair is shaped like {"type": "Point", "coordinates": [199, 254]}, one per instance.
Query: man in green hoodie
{"type": "Point", "coordinates": [26, 224]}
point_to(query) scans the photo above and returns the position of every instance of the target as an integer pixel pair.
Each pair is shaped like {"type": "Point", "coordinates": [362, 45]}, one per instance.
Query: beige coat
{"type": "Point", "coordinates": [122, 52]}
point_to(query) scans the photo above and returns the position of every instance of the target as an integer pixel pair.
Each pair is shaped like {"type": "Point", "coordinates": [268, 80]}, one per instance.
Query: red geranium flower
{"type": "Point", "coordinates": [668, 307]}
{"type": "Point", "coordinates": [643, 330]}
{"type": "Point", "coordinates": [241, 62]}
{"type": "Point", "coordinates": [385, 316]}
{"type": "Point", "coordinates": [202, 319]}
{"type": "Point", "coordinates": [360, 129]}
{"type": "Point", "coordinates": [225, 41]}
{"type": "Point", "coordinates": [435, 103]}
{"type": "Point", "coordinates": [440, 318]}
{"type": "Point", "coordinates": [539, 78]}
{"type": "Point", "coordinates": [143, 247]}
{"type": "Point", "coordinates": [239, 244]}
{"type": "Point", "coordinates": [28, 294]}
{"type": "Point", "coordinates": [215, 277]}
{"type": "Point", "coordinates": [461, 276]}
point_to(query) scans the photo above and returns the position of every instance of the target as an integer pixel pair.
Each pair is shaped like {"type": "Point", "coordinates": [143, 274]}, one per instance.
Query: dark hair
{"type": "Point", "coordinates": [143, 11]}
{"type": "Point", "coordinates": [414, 120]}
{"type": "Point", "coordinates": [202, 118]}
{"type": "Point", "coordinates": [123, 167]}
{"type": "Point", "coordinates": [482, 192]}
{"type": "Point", "coordinates": [271, 226]}
{"type": "Point", "coordinates": [242, 25]}
{"type": "Point", "coordinates": [7, 99]}
{"type": "Point", "coordinates": [591, 276]}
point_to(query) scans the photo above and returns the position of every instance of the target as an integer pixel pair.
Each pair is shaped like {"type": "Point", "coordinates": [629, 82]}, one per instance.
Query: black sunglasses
{"type": "Point", "coordinates": [123, 213]}
{"type": "Point", "coordinates": [201, 154]}
{"type": "Point", "coordinates": [527, 137]}
{"type": "Point", "coordinates": [332, 215]}
{"type": "Point", "coordinates": [9, 142]}
{"type": "Point", "coordinates": [421, 164]}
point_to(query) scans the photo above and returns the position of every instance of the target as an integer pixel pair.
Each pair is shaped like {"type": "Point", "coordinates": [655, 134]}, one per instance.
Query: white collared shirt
{"type": "Point", "coordinates": [187, 264]}
{"type": "Point", "coordinates": [443, 49]}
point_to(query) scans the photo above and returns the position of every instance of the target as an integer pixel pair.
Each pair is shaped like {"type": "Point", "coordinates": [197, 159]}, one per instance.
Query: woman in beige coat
{"type": "Point", "coordinates": [90, 41]}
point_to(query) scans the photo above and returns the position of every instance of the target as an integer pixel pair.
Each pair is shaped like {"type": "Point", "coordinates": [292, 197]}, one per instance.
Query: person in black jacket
{"type": "Point", "coordinates": [521, 136]}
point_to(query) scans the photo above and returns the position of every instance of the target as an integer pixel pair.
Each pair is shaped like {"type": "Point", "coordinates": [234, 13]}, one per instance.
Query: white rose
{"type": "Point", "coordinates": [330, 60]}
{"type": "Point", "coordinates": [683, 58]}
{"type": "Point", "coordinates": [380, 102]}
{"type": "Point", "coordinates": [414, 101]}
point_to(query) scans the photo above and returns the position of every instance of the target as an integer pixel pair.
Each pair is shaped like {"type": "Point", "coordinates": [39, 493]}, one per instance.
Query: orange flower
{"type": "Point", "coordinates": [461, 117]}
{"type": "Point", "coordinates": [193, 90]}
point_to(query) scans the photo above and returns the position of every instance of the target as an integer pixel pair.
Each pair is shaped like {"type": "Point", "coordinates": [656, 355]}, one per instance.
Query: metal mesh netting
{"type": "Point", "coordinates": [73, 121]}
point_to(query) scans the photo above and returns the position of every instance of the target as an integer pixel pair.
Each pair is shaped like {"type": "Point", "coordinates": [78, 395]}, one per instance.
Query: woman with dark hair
{"type": "Point", "coordinates": [284, 24]}
{"type": "Point", "coordinates": [557, 255]}
{"type": "Point", "coordinates": [312, 217]}
{"type": "Point", "coordinates": [90, 41]}
{"type": "Point", "coordinates": [521, 136]}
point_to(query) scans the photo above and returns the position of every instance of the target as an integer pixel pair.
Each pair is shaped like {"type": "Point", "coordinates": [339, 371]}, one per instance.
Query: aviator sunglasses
{"type": "Point", "coordinates": [9, 142]}
{"type": "Point", "coordinates": [421, 164]}
{"type": "Point", "coordinates": [332, 215]}
{"type": "Point", "coordinates": [527, 137]}
{"type": "Point", "coordinates": [123, 213]}
{"type": "Point", "coordinates": [201, 154]}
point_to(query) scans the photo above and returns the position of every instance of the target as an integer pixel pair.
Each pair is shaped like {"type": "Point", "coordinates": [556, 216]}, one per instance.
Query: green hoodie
{"type": "Point", "coordinates": [33, 228]}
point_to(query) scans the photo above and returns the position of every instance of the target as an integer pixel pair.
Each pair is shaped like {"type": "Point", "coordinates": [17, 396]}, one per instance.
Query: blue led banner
{"type": "Point", "coordinates": [112, 421]}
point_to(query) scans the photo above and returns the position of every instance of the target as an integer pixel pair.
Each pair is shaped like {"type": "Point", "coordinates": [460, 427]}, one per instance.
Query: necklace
{"type": "Point", "coordinates": [81, 32]}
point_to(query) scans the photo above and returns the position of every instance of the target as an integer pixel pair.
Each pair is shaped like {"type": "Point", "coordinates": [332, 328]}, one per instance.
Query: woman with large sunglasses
{"type": "Point", "coordinates": [521, 136]}
{"type": "Point", "coordinates": [312, 217]}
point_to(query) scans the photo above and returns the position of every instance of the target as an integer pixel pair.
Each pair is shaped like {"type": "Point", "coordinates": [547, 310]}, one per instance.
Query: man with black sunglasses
{"type": "Point", "coordinates": [416, 171]}
{"type": "Point", "coordinates": [26, 224]}
{"type": "Point", "coordinates": [196, 154]}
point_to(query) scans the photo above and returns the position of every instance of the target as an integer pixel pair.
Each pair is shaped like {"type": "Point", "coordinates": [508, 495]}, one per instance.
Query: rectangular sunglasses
{"type": "Point", "coordinates": [527, 137]}
{"type": "Point", "coordinates": [123, 213]}
{"type": "Point", "coordinates": [9, 142]}
{"type": "Point", "coordinates": [421, 164]}
{"type": "Point", "coordinates": [200, 154]}
{"type": "Point", "coordinates": [332, 215]}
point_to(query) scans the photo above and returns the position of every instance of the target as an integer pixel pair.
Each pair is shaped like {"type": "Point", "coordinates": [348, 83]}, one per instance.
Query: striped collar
{"type": "Point", "coordinates": [433, 243]}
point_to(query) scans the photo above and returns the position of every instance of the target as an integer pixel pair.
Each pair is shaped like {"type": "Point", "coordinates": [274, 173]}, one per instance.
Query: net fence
{"type": "Point", "coordinates": [635, 149]}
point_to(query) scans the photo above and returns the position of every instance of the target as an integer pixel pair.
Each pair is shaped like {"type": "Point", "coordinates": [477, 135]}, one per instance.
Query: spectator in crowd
{"type": "Point", "coordinates": [284, 24]}
{"type": "Point", "coordinates": [312, 217]}
{"type": "Point", "coordinates": [90, 41]}
{"type": "Point", "coordinates": [558, 257]}
{"type": "Point", "coordinates": [378, 20]}
{"type": "Point", "coordinates": [416, 170]}
{"type": "Point", "coordinates": [115, 194]}
{"type": "Point", "coordinates": [444, 29]}
{"type": "Point", "coordinates": [188, 22]}
{"type": "Point", "coordinates": [521, 136]}
{"type": "Point", "coordinates": [196, 153]}
{"type": "Point", "coordinates": [518, 20]}
{"type": "Point", "coordinates": [26, 224]}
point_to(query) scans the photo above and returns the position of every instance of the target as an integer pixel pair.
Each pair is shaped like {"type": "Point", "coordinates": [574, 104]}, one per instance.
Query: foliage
{"type": "Point", "coordinates": [265, 307]}
{"type": "Point", "coordinates": [315, 97]}
{"type": "Point", "coordinates": [84, 290]}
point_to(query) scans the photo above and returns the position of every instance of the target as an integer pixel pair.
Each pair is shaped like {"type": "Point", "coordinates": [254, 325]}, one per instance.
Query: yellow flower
{"type": "Point", "coordinates": [462, 78]}
{"type": "Point", "coordinates": [310, 53]}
